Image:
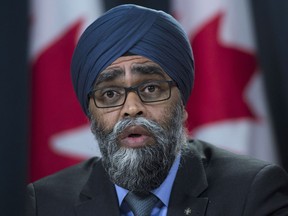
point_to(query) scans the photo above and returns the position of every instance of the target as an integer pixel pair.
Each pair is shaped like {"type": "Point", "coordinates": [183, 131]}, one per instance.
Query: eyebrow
{"type": "Point", "coordinates": [109, 75]}
{"type": "Point", "coordinates": [112, 74]}
{"type": "Point", "coordinates": [147, 69]}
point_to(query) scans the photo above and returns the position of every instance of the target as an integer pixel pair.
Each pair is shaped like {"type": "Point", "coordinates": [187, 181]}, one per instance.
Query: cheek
{"type": "Point", "coordinates": [106, 120]}
{"type": "Point", "coordinates": [167, 113]}
{"type": "Point", "coordinates": [159, 114]}
{"type": "Point", "coordinates": [110, 119]}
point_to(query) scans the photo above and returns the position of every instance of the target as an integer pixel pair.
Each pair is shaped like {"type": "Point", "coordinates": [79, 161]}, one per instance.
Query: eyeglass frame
{"type": "Point", "coordinates": [134, 88]}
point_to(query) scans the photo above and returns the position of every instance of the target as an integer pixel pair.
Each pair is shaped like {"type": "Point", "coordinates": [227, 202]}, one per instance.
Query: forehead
{"type": "Point", "coordinates": [135, 63]}
{"type": "Point", "coordinates": [131, 66]}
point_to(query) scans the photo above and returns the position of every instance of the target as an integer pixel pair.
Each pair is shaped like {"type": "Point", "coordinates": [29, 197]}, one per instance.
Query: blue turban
{"type": "Point", "coordinates": [138, 30]}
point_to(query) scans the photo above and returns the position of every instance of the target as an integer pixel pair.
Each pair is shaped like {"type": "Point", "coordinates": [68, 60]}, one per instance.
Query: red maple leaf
{"type": "Point", "coordinates": [54, 104]}
{"type": "Point", "coordinates": [222, 74]}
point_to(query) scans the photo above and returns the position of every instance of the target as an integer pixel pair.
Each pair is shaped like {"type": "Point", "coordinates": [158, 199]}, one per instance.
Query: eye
{"type": "Point", "coordinates": [110, 94]}
{"type": "Point", "coordinates": [151, 88]}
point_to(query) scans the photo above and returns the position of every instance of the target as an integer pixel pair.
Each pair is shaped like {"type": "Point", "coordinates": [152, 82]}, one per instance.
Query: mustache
{"type": "Point", "coordinates": [150, 125]}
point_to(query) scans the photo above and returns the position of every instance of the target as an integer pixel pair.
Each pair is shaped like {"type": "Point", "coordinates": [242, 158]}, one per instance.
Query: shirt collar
{"type": "Point", "coordinates": [162, 192]}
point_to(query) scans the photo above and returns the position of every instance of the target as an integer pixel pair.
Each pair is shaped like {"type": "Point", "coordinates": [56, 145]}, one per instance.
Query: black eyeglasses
{"type": "Point", "coordinates": [148, 92]}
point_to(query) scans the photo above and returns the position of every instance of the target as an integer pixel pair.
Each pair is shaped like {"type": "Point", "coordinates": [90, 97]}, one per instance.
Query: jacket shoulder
{"type": "Point", "coordinates": [220, 159]}
{"type": "Point", "coordinates": [67, 182]}
{"type": "Point", "coordinates": [259, 187]}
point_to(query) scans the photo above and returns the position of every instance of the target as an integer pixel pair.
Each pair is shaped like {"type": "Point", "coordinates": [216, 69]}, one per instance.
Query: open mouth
{"type": "Point", "coordinates": [135, 137]}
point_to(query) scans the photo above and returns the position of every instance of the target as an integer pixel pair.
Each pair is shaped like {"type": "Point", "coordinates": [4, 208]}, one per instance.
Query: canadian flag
{"type": "Point", "coordinates": [227, 106]}
{"type": "Point", "coordinates": [60, 133]}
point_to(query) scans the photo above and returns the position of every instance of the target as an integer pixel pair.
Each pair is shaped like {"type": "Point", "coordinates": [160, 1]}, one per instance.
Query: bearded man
{"type": "Point", "coordinates": [133, 71]}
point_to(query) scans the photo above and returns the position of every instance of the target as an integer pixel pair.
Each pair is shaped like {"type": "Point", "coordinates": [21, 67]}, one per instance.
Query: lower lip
{"type": "Point", "coordinates": [136, 142]}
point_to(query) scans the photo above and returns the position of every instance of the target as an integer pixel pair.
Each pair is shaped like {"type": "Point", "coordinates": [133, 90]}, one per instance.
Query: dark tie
{"type": "Point", "coordinates": [141, 204]}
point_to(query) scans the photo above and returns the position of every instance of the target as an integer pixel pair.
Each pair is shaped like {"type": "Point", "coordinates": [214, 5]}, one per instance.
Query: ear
{"type": "Point", "coordinates": [90, 107]}
{"type": "Point", "coordinates": [185, 115]}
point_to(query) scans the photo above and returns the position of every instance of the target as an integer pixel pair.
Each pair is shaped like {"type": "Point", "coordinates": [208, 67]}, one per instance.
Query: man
{"type": "Point", "coordinates": [133, 72]}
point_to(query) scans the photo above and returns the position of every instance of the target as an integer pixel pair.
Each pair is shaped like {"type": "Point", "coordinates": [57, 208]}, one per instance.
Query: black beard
{"type": "Point", "coordinates": [141, 169]}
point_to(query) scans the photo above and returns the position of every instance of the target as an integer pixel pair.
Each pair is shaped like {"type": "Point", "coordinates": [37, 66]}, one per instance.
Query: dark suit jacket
{"type": "Point", "coordinates": [210, 181]}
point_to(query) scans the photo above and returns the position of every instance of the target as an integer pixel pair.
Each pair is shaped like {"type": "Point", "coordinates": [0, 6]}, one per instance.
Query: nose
{"type": "Point", "coordinates": [133, 106]}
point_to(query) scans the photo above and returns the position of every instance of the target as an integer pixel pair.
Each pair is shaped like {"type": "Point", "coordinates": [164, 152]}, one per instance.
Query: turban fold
{"type": "Point", "coordinates": [142, 31]}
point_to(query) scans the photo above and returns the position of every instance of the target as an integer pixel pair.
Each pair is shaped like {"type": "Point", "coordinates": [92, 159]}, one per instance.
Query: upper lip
{"type": "Point", "coordinates": [137, 130]}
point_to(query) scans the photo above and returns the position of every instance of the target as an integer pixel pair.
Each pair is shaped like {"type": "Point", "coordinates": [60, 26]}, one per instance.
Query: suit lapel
{"type": "Point", "coordinates": [190, 182]}
{"type": "Point", "coordinates": [98, 196]}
